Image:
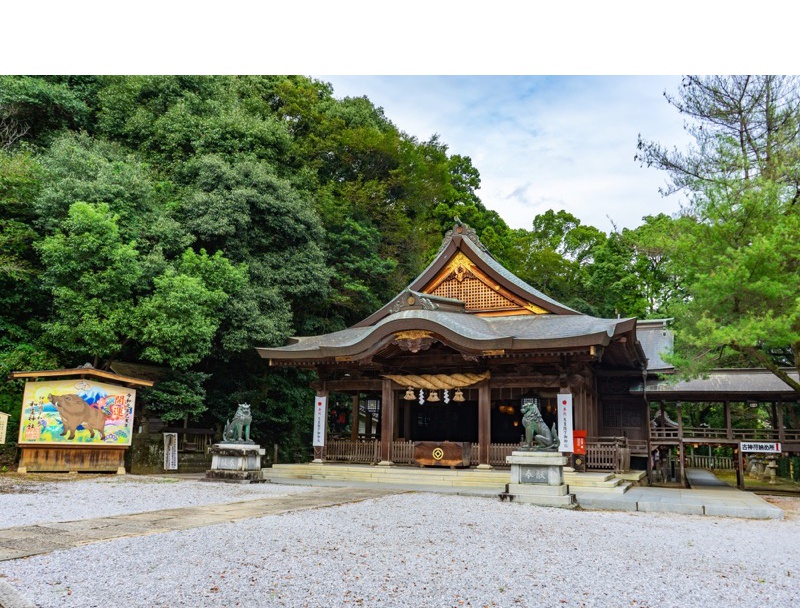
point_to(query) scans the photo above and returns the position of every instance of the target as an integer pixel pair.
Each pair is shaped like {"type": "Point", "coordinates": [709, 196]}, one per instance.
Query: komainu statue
{"type": "Point", "coordinates": [537, 435]}
{"type": "Point", "coordinates": [238, 429]}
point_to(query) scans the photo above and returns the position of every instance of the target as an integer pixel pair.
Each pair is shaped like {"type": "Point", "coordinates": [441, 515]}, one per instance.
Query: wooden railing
{"type": "Point", "coordinates": [690, 433]}
{"type": "Point", "coordinates": [696, 461]}
{"type": "Point", "coordinates": [403, 452]}
{"type": "Point", "coordinates": [497, 453]}
{"type": "Point", "coordinates": [368, 452]}
{"type": "Point", "coordinates": [363, 452]}
{"type": "Point", "coordinates": [608, 454]}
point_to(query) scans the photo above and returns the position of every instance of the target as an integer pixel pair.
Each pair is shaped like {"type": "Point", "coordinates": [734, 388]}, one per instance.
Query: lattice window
{"type": "Point", "coordinates": [475, 294]}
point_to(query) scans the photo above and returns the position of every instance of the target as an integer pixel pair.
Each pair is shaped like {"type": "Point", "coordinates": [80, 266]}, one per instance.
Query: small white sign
{"type": "Point", "coordinates": [757, 446]}
{"type": "Point", "coordinates": [3, 426]}
{"type": "Point", "coordinates": [320, 418]}
{"type": "Point", "coordinates": [170, 451]}
{"type": "Point", "coordinates": [565, 425]}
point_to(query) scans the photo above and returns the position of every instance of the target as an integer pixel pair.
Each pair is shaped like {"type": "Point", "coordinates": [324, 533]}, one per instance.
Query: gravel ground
{"type": "Point", "coordinates": [36, 499]}
{"type": "Point", "coordinates": [422, 550]}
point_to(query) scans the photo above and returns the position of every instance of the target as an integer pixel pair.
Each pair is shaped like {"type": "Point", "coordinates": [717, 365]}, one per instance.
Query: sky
{"type": "Point", "coordinates": [542, 142]}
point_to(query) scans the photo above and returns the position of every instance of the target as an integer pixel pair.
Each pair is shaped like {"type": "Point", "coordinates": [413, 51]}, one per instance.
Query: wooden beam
{"type": "Point", "coordinates": [82, 371]}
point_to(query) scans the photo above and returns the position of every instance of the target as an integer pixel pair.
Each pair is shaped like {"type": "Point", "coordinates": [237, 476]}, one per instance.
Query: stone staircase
{"type": "Point", "coordinates": [491, 480]}
{"type": "Point", "coordinates": [586, 483]}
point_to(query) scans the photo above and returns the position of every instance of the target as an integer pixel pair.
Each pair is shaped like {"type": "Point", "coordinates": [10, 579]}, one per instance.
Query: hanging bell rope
{"type": "Point", "coordinates": [440, 381]}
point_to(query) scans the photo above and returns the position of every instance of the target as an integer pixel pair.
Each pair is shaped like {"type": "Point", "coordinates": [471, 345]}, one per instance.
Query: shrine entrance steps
{"type": "Point", "coordinates": [490, 481]}
{"type": "Point", "coordinates": [595, 482]}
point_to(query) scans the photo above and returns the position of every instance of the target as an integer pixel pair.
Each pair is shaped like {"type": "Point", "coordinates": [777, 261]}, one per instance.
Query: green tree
{"type": "Point", "coordinates": [555, 256]}
{"type": "Point", "coordinates": [91, 274]}
{"type": "Point", "coordinates": [736, 245]}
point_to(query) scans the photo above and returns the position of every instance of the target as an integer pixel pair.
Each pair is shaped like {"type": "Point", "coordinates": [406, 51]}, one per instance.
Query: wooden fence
{"type": "Point", "coordinates": [368, 452]}
{"type": "Point", "coordinates": [363, 452]}
{"type": "Point", "coordinates": [690, 433]}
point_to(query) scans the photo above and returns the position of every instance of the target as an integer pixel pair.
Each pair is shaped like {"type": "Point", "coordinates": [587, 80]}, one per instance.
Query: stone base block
{"type": "Point", "coordinates": [567, 501]}
{"type": "Point", "coordinates": [527, 489]}
{"type": "Point", "coordinates": [235, 462]}
{"type": "Point", "coordinates": [236, 476]}
{"type": "Point", "coordinates": [538, 478]}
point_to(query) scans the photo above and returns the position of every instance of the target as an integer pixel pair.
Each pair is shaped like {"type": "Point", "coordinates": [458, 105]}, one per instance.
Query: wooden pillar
{"type": "Point", "coordinates": [387, 422]}
{"type": "Point", "coordinates": [740, 471]}
{"type": "Point", "coordinates": [728, 425]}
{"type": "Point", "coordinates": [368, 426]}
{"type": "Point", "coordinates": [355, 418]}
{"type": "Point", "coordinates": [396, 418]}
{"type": "Point", "coordinates": [781, 432]}
{"type": "Point", "coordinates": [484, 425]}
{"type": "Point", "coordinates": [681, 447]}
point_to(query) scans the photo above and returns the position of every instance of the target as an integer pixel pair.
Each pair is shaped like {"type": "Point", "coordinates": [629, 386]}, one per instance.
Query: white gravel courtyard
{"type": "Point", "coordinates": [416, 549]}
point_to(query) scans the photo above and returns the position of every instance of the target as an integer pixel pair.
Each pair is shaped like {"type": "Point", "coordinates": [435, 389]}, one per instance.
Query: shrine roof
{"type": "Point", "coordinates": [494, 311]}
{"type": "Point", "coordinates": [463, 331]}
{"type": "Point", "coordinates": [656, 340]}
{"type": "Point", "coordinates": [721, 384]}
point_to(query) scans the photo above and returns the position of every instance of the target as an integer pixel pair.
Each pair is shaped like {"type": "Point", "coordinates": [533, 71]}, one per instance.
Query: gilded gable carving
{"type": "Point", "coordinates": [475, 294]}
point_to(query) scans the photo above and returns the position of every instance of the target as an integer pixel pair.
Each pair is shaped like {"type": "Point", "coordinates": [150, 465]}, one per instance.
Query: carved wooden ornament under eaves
{"type": "Point", "coordinates": [414, 340]}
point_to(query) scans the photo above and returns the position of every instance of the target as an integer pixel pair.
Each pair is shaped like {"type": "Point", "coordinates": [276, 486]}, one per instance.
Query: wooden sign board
{"type": "Point", "coordinates": [442, 453]}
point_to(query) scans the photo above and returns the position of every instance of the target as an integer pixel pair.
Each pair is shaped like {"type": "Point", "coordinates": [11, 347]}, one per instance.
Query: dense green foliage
{"type": "Point", "coordinates": [183, 221]}
{"type": "Point", "coordinates": [735, 246]}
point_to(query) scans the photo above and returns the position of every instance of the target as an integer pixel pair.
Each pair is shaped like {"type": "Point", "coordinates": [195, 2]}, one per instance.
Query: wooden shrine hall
{"type": "Point", "coordinates": [450, 361]}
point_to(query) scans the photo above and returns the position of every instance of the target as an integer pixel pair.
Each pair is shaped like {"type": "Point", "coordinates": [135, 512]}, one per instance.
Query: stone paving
{"type": "Point", "coordinates": [708, 496]}
{"type": "Point", "coordinates": [24, 541]}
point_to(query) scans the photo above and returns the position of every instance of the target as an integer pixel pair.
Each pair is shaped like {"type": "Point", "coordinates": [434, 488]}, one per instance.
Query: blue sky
{"type": "Point", "coordinates": [542, 142]}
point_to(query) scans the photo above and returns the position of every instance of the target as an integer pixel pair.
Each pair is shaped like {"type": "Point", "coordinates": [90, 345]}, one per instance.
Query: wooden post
{"type": "Point", "coordinates": [387, 422]}
{"type": "Point", "coordinates": [368, 426]}
{"type": "Point", "coordinates": [740, 472]}
{"type": "Point", "coordinates": [781, 432]}
{"type": "Point", "coordinates": [355, 418]}
{"type": "Point", "coordinates": [682, 480]}
{"type": "Point", "coordinates": [484, 425]}
{"type": "Point", "coordinates": [773, 415]}
{"type": "Point", "coordinates": [728, 425]}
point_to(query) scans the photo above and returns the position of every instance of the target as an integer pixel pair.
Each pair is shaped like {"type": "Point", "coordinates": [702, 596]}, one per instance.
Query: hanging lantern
{"type": "Point", "coordinates": [433, 396]}
{"type": "Point", "coordinates": [459, 396]}
{"type": "Point", "coordinates": [409, 396]}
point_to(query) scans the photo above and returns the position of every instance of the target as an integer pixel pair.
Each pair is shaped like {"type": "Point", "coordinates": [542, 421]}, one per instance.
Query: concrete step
{"type": "Point", "coordinates": [591, 479]}
{"type": "Point", "coordinates": [620, 488]}
{"type": "Point", "coordinates": [635, 477]}
{"type": "Point", "coordinates": [391, 475]}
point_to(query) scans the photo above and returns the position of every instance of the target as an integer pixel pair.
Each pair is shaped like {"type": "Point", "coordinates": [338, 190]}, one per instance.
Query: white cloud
{"type": "Point", "coordinates": [541, 142]}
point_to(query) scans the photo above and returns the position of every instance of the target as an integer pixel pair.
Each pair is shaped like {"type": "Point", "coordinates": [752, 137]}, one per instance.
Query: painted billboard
{"type": "Point", "coordinates": [76, 412]}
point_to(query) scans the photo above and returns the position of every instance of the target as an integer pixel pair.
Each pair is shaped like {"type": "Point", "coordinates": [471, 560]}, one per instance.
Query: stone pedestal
{"type": "Point", "coordinates": [237, 462]}
{"type": "Point", "coordinates": [538, 478]}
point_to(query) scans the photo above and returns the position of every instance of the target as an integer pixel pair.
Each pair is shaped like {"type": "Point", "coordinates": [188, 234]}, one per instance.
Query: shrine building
{"type": "Point", "coordinates": [452, 358]}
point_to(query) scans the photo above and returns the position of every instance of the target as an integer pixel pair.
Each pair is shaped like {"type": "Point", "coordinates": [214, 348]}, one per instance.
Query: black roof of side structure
{"type": "Point", "coordinates": [656, 339]}
{"type": "Point", "coordinates": [559, 326]}
{"type": "Point", "coordinates": [734, 384]}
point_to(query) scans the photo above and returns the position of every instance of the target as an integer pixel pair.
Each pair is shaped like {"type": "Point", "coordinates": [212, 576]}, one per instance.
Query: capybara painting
{"type": "Point", "coordinates": [74, 412]}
